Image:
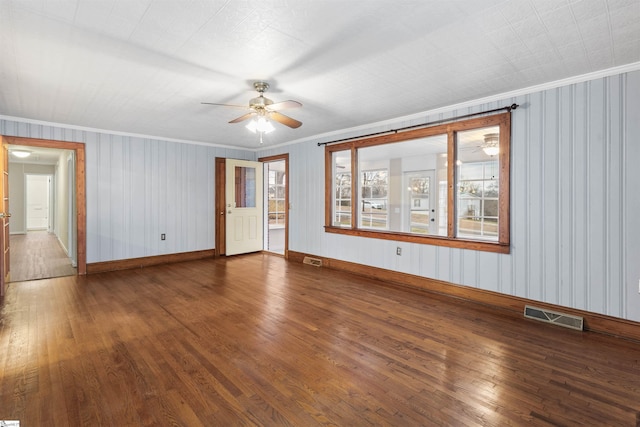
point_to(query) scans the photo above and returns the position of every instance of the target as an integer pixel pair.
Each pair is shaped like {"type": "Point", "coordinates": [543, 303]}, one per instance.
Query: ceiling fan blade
{"type": "Point", "coordinates": [224, 105]}
{"type": "Point", "coordinates": [245, 117]}
{"type": "Point", "coordinates": [283, 105]}
{"type": "Point", "coordinates": [285, 120]}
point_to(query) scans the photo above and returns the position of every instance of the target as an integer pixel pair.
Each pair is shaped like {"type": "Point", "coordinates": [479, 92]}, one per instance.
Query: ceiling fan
{"type": "Point", "coordinates": [490, 145]}
{"type": "Point", "coordinates": [264, 108]}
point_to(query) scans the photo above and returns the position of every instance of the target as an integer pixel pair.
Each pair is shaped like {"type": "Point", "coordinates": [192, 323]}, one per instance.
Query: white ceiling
{"type": "Point", "coordinates": [145, 66]}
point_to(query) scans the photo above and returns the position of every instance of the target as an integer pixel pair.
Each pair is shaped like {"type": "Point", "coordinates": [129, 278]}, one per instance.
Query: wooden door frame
{"type": "Point", "coordinates": [282, 157]}
{"type": "Point", "coordinates": [81, 202]}
{"type": "Point", "coordinates": [220, 208]}
{"type": "Point", "coordinates": [5, 268]}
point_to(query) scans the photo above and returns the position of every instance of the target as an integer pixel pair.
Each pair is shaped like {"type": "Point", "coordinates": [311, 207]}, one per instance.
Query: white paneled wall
{"type": "Point", "coordinates": [575, 204]}
{"type": "Point", "coordinates": [140, 188]}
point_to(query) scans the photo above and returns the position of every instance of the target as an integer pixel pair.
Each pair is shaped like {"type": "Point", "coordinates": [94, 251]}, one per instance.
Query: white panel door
{"type": "Point", "coordinates": [38, 193]}
{"type": "Point", "coordinates": [243, 198]}
{"type": "Point", "coordinates": [420, 198]}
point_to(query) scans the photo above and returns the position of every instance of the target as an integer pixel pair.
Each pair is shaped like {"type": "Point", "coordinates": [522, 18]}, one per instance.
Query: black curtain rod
{"type": "Point", "coordinates": [437, 122]}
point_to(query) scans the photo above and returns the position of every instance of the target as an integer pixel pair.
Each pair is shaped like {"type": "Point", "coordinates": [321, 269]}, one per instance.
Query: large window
{"type": "Point", "coordinates": [446, 185]}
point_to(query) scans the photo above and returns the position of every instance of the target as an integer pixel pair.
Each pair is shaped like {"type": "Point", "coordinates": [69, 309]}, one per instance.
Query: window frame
{"type": "Point", "coordinates": [502, 245]}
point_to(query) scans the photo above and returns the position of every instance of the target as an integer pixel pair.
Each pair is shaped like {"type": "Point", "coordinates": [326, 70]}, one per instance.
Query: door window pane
{"type": "Point", "coordinates": [245, 183]}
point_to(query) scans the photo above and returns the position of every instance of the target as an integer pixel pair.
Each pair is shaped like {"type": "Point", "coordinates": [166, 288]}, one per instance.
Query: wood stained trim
{"type": "Point", "coordinates": [221, 209]}
{"type": "Point", "coordinates": [593, 322]}
{"type": "Point", "coordinates": [131, 263]}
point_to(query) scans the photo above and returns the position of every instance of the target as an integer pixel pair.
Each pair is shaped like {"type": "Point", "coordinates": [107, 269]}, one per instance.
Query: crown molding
{"type": "Point", "coordinates": [118, 133]}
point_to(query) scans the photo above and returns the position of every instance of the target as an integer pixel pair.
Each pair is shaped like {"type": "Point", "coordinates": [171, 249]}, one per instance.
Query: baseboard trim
{"type": "Point", "coordinates": [131, 263]}
{"type": "Point", "coordinates": [593, 322]}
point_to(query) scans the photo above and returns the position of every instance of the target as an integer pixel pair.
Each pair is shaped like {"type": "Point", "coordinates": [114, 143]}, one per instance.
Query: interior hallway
{"type": "Point", "coordinates": [38, 255]}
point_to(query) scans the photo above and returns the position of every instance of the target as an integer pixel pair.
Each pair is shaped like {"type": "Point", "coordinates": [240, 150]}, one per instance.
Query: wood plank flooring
{"type": "Point", "coordinates": [256, 340]}
{"type": "Point", "coordinates": [38, 255]}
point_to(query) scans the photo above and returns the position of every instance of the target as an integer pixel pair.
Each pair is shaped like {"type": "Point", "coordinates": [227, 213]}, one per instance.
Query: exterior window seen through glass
{"type": "Point", "coordinates": [342, 189]}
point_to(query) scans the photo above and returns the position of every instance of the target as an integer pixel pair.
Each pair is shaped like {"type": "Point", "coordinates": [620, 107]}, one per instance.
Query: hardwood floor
{"type": "Point", "coordinates": [256, 340]}
{"type": "Point", "coordinates": [38, 255]}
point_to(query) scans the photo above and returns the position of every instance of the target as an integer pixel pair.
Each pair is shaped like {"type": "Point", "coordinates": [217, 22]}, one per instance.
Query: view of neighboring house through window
{"type": "Point", "coordinates": [373, 187]}
{"type": "Point", "coordinates": [395, 181]}
{"type": "Point", "coordinates": [409, 189]}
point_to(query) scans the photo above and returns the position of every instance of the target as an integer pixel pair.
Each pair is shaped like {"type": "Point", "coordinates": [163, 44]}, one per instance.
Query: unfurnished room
{"type": "Point", "coordinates": [320, 212]}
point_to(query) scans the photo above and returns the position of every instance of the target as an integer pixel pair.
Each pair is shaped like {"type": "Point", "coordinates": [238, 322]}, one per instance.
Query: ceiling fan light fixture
{"type": "Point", "coordinates": [22, 154]}
{"type": "Point", "coordinates": [491, 144]}
{"type": "Point", "coordinates": [491, 151]}
{"type": "Point", "coordinates": [260, 125]}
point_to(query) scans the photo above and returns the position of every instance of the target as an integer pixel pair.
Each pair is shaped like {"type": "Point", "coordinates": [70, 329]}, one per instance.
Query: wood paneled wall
{"type": "Point", "coordinates": [575, 210]}
{"type": "Point", "coordinates": [140, 188]}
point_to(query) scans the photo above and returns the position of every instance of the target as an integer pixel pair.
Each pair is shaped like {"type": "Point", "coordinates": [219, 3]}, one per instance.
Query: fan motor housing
{"type": "Point", "coordinates": [260, 102]}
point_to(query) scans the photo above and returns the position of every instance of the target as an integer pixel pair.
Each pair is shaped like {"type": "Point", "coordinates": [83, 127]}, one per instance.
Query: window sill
{"type": "Point", "coordinates": [476, 245]}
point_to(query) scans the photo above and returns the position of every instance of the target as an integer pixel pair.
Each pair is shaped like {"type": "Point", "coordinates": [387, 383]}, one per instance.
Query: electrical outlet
{"type": "Point", "coordinates": [398, 250]}
{"type": "Point", "coordinates": [163, 236]}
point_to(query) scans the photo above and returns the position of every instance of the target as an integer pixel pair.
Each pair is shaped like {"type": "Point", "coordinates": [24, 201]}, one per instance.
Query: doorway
{"type": "Point", "coordinates": [275, 230]}
{"type": "Point", "coordinates": [76, 231]}
{"type": "Point", "coordinates": [41, 193]}
{"type": "Point", "coordinates": [421, 214]}
{"type": "Point", "coordinates": [275, 178]}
